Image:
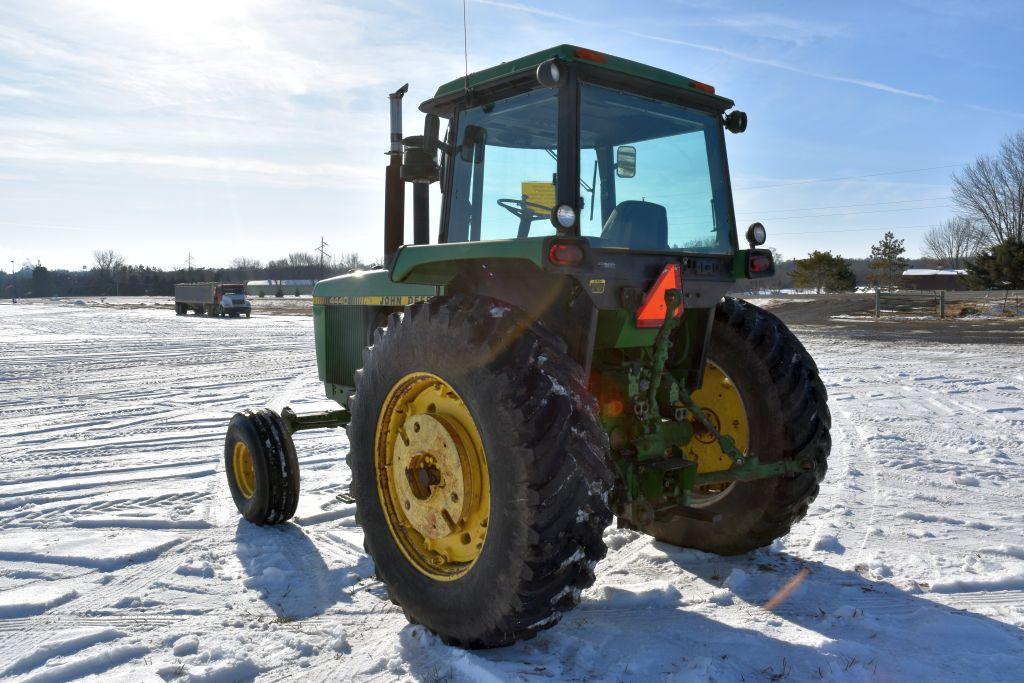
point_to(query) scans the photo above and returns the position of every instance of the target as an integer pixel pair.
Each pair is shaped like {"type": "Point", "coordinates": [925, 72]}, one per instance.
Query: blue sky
{"type": "Point", "coordinates": [252, 127]}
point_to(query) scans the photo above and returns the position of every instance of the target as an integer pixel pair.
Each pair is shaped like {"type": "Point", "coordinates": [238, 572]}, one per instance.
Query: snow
{"type": "Point", "coordinates": [122, 556]}
{"type": "Point", "coordinates": [916, 272]}
{"type": "Point", "coordinates": [101, 550]}
{"type": "Point", "coordinates": [26, 600]}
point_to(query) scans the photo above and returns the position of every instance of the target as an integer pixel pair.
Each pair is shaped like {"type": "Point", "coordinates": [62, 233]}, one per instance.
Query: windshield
{"type": "Point", "coordinates": [503, 183]}
{"type": "Point", "coordinates": [652, 174]}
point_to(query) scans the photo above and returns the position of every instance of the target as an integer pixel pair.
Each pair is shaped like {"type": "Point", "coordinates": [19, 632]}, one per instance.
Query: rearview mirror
{"type": "Point", "coordinates": [625, 161]}
{"type": "Point", "coordinates": [473, 138]}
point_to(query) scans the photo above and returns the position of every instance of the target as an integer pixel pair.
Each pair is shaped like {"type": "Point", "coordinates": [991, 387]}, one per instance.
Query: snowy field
{"type": "Point", "coordinates": [122, 556]}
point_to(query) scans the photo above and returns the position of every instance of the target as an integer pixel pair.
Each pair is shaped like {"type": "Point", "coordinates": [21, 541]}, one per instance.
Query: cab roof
{"type": "Point", "coordinates": [572, 53]}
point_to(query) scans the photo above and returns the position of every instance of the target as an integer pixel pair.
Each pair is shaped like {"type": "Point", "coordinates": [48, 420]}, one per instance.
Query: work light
{"type": "Point", "coordinates": [756, 234]}
{"type": "Point", "coordinates": [549, 74]}
{"type": "Point", "coordinates": [564, 217]}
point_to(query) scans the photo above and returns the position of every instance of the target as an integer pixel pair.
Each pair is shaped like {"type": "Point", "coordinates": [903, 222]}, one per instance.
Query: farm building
{"type": "Point", "coordinates": [286, 287]}
{"type": "Point", "coordinates": [930, 278]}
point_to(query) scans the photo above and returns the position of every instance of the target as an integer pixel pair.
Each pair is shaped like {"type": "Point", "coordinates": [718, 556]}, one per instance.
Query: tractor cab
{"type": "Point", "coordinates": [570, 180]}
{"type": "Point", "coordinates": [590, 146]}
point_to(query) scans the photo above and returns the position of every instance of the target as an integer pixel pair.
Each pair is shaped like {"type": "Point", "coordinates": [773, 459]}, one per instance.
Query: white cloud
{"type": "Point", "coordinates": [274, 100]}
{"type": "Point", "coordinates": [873, 85]}
{"type": "Point", "coordinates": [311, 174]}
{"type": "Point", "coordinates": [526, 9]}
{"type": "Point", "coordinates": [760, 24]}
{"type": "Point", "coordinates": [777, 27]}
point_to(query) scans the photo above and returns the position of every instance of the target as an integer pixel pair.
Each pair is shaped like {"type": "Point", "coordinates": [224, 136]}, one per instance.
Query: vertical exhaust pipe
{"type": "Point", "coordinates": [394, 188]}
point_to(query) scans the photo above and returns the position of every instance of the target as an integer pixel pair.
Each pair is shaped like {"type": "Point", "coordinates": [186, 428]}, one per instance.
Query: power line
{"type": "Point", "coordinates": [810, 181]}
{"type": "Point", "coordinates": [887, 228]}
{"type": "Point", "coordinates": [851, 177]}
{"type": "Point", "coordinates": [847, 206]}
{"type": "Point", "coordinates": [857, 213]}
{"type": "Point", "coordinates": [779, 219]}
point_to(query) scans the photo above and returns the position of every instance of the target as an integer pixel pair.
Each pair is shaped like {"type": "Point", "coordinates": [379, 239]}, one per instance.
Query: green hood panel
{"type": "Point", "coordinates": [439, 263]}
{"type": "Point", "coordinates": [369, 288]}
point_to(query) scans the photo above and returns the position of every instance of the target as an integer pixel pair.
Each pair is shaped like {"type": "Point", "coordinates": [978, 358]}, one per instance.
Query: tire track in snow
{"type": "Point", "coordinates": [120, 389]}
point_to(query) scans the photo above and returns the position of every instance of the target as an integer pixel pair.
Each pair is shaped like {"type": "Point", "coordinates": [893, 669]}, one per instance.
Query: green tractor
{"type": "Point", "coordinates": [564, 352]}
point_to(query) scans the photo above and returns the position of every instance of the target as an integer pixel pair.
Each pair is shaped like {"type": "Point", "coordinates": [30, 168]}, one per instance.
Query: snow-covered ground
{"type": "Point", "coordinates": [122, 557]}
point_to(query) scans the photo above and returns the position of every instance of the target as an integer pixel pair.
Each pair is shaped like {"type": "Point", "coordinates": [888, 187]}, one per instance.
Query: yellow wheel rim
{"type": "Point", "coordinates": [723, 406]}
{"type": "Point", "coordinates": [431, 475]}
{"type": "Point", "coordinates": [245, 473]}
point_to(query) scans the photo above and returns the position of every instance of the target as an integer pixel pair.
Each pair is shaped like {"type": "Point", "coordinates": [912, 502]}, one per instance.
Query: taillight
{"type": "Point", "coordinates": [561, 254]}
{"type": "Point", "coordinates": [759, 263]}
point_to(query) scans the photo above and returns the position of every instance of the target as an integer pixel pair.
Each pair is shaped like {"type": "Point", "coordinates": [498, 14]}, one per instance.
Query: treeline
{"type": "Point", "coordinates": [985, 238]}
{"type": "Point", "coordinates": [823, 271]}
{"type": "Point", "coordinates": [111, 276]}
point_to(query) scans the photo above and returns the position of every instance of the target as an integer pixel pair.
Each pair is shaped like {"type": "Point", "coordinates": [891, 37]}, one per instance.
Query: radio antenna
{"type": "Point", "coordinates": [465, 46]}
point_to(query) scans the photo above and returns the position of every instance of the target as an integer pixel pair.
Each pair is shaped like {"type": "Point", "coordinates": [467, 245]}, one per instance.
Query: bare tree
{"type": "Point", "coordinates": [108, 262]}
{"type": "Point", "coordinates": [246, 264]}
{"type": "Point", "coordinates": [348, 262]}
{"type": "Point", "coordinates": [953, 242]}
{"type": "Point", "coordinates": [245, 268]}
{"type": "Point", "coordinates": [302, 258]}
{"type": "Point", "coordinates": [991, 192]}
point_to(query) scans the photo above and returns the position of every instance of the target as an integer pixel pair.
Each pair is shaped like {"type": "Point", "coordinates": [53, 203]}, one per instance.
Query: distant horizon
{"type": "Point", "coordinates": [251, 129]}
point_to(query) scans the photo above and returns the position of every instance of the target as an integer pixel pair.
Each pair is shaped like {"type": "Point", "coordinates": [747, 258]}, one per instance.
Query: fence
{"type": "Point", "coordinates": [906, 302]}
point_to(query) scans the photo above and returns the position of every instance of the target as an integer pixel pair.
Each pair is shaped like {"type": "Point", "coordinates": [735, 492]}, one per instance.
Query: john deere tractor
{"type": "Point", "coordinates": [563, 352]}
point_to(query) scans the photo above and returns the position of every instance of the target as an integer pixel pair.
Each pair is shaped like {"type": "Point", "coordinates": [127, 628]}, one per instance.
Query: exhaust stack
{"type": "Point", "coordinates": [394, 188]}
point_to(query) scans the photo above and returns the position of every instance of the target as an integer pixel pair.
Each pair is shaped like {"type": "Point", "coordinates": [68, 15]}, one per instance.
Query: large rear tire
{"type": "Point", "coordinates": [261, 466]}
{"type": "Point", "coordinates": [788, 419]}
{"type": "Point", "coordinates": [530, 477]}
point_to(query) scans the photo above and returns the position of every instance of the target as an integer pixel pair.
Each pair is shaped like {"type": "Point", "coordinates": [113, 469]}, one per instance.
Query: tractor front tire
{"type": "Point", "coordinates": [788, 419]}
{"type": "Point", "coordinates": [479, 470]}
{"type": "Point", "coordinates": [261, 466]}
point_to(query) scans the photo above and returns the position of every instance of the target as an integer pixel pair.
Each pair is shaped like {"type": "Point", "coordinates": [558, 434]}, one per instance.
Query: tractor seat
{"type": "Point", "coordinates": [637, 225]}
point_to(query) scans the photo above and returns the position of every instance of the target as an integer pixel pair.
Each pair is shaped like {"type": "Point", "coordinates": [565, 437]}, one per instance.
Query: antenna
{"type": "Point", "coordinates": [465, 46]}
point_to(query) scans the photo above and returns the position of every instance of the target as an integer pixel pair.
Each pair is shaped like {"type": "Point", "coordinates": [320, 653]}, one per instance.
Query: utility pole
{"type": "Point", "coordinates": [189, 261]}
{"type": "Point", "coordinates": [321, 248]}
{"type": "Point", "coordinates": [14, 284]}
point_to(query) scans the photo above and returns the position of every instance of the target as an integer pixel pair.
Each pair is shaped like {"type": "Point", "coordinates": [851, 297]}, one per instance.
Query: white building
{"type": "Point", "coordinates": [285, 287]}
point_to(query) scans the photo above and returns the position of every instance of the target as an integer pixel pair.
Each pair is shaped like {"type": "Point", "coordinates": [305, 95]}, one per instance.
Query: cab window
{"type": "Point", "coordinates": [504, 169]}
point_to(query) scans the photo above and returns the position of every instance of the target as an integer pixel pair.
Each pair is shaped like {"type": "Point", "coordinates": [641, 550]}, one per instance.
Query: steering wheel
{"type": "Point", "coordinates": [520, 208]}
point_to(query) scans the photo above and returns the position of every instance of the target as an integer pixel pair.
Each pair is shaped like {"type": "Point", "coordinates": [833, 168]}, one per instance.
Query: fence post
{"type": "Point", "coordinates": [878, 304]}
{"type": "Point", "coordinates": [942, 304]}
